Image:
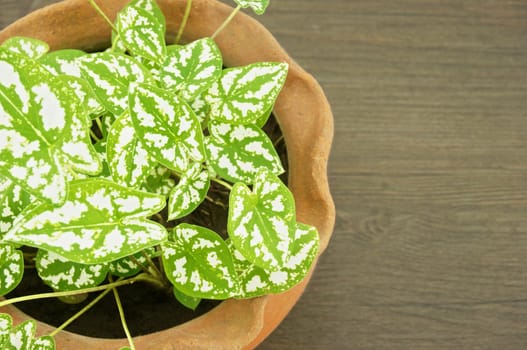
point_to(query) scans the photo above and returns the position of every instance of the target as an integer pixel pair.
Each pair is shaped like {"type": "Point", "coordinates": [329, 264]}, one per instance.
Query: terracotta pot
{"type": "Point", "coordinates": [306, 121]}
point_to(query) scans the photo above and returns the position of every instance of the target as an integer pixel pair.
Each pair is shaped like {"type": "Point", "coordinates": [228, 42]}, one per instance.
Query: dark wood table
{"type": "Point", "coordinates": [428, 171]}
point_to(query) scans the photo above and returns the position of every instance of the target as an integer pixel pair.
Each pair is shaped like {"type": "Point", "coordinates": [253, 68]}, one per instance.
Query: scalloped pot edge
{"type": "Point", "coordinates": [234, 324]}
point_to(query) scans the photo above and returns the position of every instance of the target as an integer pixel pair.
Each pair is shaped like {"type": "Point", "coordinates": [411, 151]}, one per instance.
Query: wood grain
{"type": "Point", "coordinates": [428, 171]}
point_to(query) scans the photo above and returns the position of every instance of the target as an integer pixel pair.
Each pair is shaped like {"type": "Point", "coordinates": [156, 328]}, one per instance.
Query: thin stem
{"type": "Point", "coordinates": [121, 315]}
{"type": "Point", "coordinates": [184, 21]}
{"type": "Point", "coordinates": [226, 22]}
{"type": "Point", "coordinates": [81, 312]}
{"type": "Point", "coordinates": [103, 15]}
{"type": "Point", "coordinates": [94, 136]}
{"type": "Point", "coordinates": [138, 278]}
{"type": "Point", "coordinates": [221, 182]}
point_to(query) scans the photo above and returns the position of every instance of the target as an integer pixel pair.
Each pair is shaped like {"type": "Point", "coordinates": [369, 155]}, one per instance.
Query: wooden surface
{"type": "Point", "coordinates": [428, 171]}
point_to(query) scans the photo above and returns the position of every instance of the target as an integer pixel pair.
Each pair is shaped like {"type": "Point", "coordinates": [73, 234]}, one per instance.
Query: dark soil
{"type": "Point", "coordinates": [146, 309]}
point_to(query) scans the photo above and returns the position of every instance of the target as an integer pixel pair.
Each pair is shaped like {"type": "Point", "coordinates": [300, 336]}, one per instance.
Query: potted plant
{"type": "Point", "coordinates": [104, 155]}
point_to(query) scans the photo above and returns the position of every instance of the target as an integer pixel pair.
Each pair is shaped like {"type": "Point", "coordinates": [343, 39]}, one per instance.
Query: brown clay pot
{"type": "Point", "coordinates": [303, 114]}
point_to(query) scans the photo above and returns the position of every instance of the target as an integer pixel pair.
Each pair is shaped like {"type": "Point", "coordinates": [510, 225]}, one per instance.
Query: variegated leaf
{"type": "Point", "coordinates": [159, 181]}
{"type": "Point", "coordinates": [244, 94]}
{"type": "Point", "coordinates": [189, 192]}
{"type": "Point", "coordinates": [185, 300]}
{"type": "Point", "coordinates": [255, 281]}
{"type": "Point", "coordinates": [261, 223]}
{"type": "Point", "coordinates": [13, 199]}
{"type": "Point", "coordinates": [192, 68]}
{"type": "Point", "coordinates": [166, 126]}
{"type": "Point", "coordinates": [236, 152]}
{"type": "Point", "coordinates": [201, 108]}
{"type": "Point", "coordinates": [197, 262]}
{"type": "Point", "coordinates": [258, 6]}
{"type": "Point", "coordinates": [64, 275]}
{"type": "Point", "coordinates": [32, 48]}
{"type": "Point", "coordinates": [128, 160]}
{"type": "Point", "coordinates": [34, 114]}
{"type": "Point", "coordinates": [76, 144]}
{"type": "Point", "coordinates": [11, 268]}
{"type": "Point", "coordinates": [63, 62]}
{"type": "Point", "coordinates": [22, 336]}
{"type": "Point", "coordinates": [110, 75]}
{"type": "Point", "coordinates": [141, 31]}
{"type": "Point", "coordinates": [128, 266]}
{"type": "Point", "coordinates": [99, 222]}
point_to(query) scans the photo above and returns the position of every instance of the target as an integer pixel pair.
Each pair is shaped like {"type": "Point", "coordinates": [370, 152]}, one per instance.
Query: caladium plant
{"type": "Point", "coordinates": [100, 153]}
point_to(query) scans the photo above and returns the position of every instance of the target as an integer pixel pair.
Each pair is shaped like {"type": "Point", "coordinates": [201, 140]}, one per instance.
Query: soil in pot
{"type": "Point", "coordinates": [146, 309]}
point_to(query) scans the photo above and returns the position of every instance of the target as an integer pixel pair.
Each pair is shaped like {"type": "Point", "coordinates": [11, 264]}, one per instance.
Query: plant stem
{"type": "Point", "coordinates": [184, 21]}
{"type": "Point", "coordinates": [138, 278]}
{"type": "Point", "coordinates": [121, 315]}
{"type": "Point", "coordinates": [103, 15]}
{"type": "Point", "coordinates": [221, 182]}
{"type": "Point", "coordinates": [80, 312]}
{"type": "Point", "coordinates": [94, 136]}
{"type": "Point", "coordinates": [226, 22]}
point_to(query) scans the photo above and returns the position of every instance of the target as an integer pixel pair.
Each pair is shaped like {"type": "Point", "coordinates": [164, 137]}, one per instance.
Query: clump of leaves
{"type": "Point", "coordinates": [98, 152]}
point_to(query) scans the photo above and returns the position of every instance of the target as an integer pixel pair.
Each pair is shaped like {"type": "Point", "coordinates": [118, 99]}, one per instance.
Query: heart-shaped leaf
{"type": "Point", "coordinates": [166, 126]}
{"type": "Point", "coordinates": [141, 31]}
{"type": "Point", "coordinates": [45, 342]}
{"type": "Point", "coordinates": [244, 94]}
{"type": "Point", "coordinates": [258, 6]}
{"type": "Point", "coordinates": [64, 275]}
{"type": "Point", "coordinates": [109, 75]}
{"type": "Point", "coordinates": [261, 222]}
{"type": "Point", "coordinates": [255, 281]}
{"type": "Point", "coordinates": [189, 192]}
{"type": "Point", "coordinates": [128, 160]}
{"type": "Point", "coordinates": [34, 112]}
{"type": "Point", "coordinates": [32, 48]}
{"type": "Point", "coordinates": [11, 268]}
{"type": "Point", "coordinates": [99, 222]}
{"type": "Point", "coordinates": [197, 262]}
{"type": "Point", "coordinates": [64, 62]}
{"type": "Point", "coordinates": [192, 68]}
{"type": "Point", "coordinates": [236, 152]}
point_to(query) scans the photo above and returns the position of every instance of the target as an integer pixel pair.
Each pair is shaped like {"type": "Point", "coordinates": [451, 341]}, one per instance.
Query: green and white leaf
{"type": "Point", "coordinates": [13, 199]}
{"type": "Point", "coordinates": [255, 281]}
{"type": "Point", "coordinates": [11, 268]}
{"type": "Point", "coordinates": [99, 222]}
{"type": "Point", "coordinates": [261, 223]}
{"type": "Point", "coordinates": [110, 75]}
{"type": "Point", "coordinates": [197, 262]}
{"type": "Point", "coordinates": [159, 181]}
{"type": "Point", "coordinates": [29, 47]}
{"type": "Point", "coordinates": [244, 94]}
{"type": "Point", "coordinates": [34, 113]}
{"type": "Point", "coordinates": [128, 160]}
{"type": "Point", "coordinates": [185, 300]}
{"type": "Point", "coordinates": [236, 152]}
{"type": "Point", "coordinates": [166, 126]}
{"type": "Point", "coordinates": [64, 275]}
{"type": "Point", "coordinates": [189, 192]}
{"type": "Point", "coordinates": [127, 266]}
{"type": "Point", "coordinates": [201, 108]}
{"type": "Point", "coordinates": [63, 62]}
{"type": "Point", "coordinates": [22, 336]}
{"type": "Point", "coordinates": [192, 68]}
{"type": "Point", "coordinates": [141, 30]}
{"type": "Point", "coordinates": [76, 143]}
{"type": "Point", "coordinates": [258, 6]}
